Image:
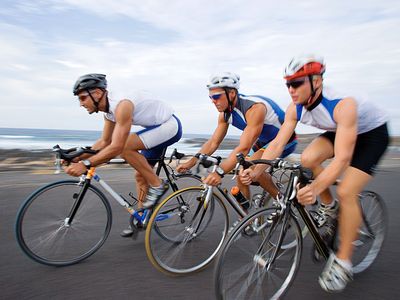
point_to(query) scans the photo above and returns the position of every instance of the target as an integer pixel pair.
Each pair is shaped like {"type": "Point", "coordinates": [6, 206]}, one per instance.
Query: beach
{"type": "Point", "coordinates": [31, 159]}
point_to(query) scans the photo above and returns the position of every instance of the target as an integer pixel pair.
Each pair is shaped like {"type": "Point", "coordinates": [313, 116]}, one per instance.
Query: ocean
{"type": "Point", "coordinates": [42, 139]}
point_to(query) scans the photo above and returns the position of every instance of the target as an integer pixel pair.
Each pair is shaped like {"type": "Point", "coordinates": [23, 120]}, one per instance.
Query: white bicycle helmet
{"type": "Point", "coordinates": [224, 80]}
{"type": "Point", "coordinates": [304, 65]}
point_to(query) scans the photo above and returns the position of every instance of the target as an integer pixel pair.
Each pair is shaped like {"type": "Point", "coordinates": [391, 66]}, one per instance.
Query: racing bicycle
{"type": "Point", "coordinates": [254, 264]}
{"type": "Point", "coordinates": [67, 221]}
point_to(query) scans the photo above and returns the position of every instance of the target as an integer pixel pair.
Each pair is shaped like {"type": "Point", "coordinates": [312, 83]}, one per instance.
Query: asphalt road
{"type": "Point", "coordinates": [120, 269]}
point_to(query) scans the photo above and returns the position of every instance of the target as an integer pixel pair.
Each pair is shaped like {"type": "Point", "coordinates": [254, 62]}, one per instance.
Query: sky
{"type": "Point", "coordinates": [171, 48]}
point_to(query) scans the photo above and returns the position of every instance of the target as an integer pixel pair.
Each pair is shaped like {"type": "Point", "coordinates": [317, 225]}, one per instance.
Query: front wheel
{"type": "Point", "coordinates": [43, 230]}
{"type": "Point", "coordinates": [251, 265]}
{"type": "Point", "coordinates": [185, 233]}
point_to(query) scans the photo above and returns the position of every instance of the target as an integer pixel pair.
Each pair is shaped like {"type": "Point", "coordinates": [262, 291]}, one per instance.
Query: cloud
{"type": "Point", "coordinates": [171, 47]}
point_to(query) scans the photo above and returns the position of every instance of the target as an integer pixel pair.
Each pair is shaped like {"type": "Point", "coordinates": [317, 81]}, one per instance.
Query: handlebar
{"type": "Point", "coordinates": [306, 174]}
{"type": "Point", "coordinates": [207, 160]}
{"type": "Point", "coordinates": [71, 153]}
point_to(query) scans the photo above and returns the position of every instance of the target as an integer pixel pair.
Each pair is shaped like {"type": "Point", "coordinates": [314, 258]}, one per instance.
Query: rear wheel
{"type": "Point", "coordinates": [372, 231]}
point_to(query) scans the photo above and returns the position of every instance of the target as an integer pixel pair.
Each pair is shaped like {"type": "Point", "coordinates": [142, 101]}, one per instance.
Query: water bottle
{"type": "Point", "coordinates": [239, 197]}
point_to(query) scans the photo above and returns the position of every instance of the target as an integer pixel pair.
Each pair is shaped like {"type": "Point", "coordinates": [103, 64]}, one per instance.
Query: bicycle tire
{"type": "Point", "coordinates": [41, 231]}
{"type": "Point", "coordinates": [187, 248]}
{"type": "Point", "coordinates": [194, 179]}
{"type": "Point", "coordinates": [242, 269]}
{"type": "Point", "coordinates": [172, 239]}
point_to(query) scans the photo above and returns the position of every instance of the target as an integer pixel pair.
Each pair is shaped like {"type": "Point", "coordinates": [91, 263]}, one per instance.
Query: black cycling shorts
{"type": "Point", "coordinates": [369, 148]}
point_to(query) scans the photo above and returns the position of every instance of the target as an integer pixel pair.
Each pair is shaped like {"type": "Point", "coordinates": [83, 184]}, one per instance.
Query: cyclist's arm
{"type": "Point", "coordinates": [255, 120]}
{"type": "Point", "coordinates": [213, 143]}
{"type": "Point", "coordinates": [114, 134]}
{"type": "Point", "coordinates": [345, 115]}
{"type": "Point", "coordinates": [102, 142]}
{"type": "Point", "coordinates": [277, 146]}
{"type": "Point", "coordinates": [106, 136]}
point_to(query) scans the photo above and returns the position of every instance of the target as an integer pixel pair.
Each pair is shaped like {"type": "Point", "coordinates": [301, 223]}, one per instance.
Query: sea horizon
{"type": "Point", "coordinates": [44, 139]}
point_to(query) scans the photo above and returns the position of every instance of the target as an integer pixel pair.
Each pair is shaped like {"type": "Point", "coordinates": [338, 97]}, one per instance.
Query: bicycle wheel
{"type": "Point", "coordinates": [42, 232]}
{"type": "Point", "coordinates": [184, 234]}
{"type": "Point", "coordinates": [187, 180]}
{"type": "Point", "coordinates": [372, 231]}
{"type": "Point", "coordinates": [250, 266]}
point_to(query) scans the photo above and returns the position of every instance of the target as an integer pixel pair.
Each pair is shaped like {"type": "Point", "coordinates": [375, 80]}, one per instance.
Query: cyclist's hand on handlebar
{"type": "Point", "coordinates": [66, 163]}
{"type": "Point", "coordinates": [75, 169]}
{"type": "Point", "coordinates": [247, 176]}
{"type": "Point", "coordinates": [183, 168]}
{"type": "Point", "coordinates": [212, 179]}
{"type": "Point", "coordinates": [306, 195]}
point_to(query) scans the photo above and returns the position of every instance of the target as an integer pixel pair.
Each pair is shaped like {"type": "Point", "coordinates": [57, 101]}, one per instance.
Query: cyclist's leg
{"type": "Point", "coordinates": [131, 154]}
{"type": "Point", "coordinates": [368, 150]}
{"type": "Point", "coordinates": [319, 150]}
{"type": "Point", "coordinates": [353, 182]}
{"type": "Point", "coordinates": [141, 188]}
{"type": "Point", "coordinates": [154, 138]}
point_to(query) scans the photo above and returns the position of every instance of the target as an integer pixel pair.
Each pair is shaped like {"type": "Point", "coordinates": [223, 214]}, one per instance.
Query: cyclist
{"type": "Point", "coordinates": [140, 149]}
{"type": "Point", "coordinates": [258, 117]}
{"type": "Point", "coordinates": [356, 137]}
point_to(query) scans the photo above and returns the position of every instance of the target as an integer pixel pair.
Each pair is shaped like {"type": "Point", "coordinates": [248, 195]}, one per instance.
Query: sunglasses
{"type": "Point", "coordinates": [216, 96]}
{"type": "Point", "coordinates": [295, 83]}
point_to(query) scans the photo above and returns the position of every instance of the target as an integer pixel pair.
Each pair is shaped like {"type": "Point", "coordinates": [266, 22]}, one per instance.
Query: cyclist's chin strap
{"type": "Point", "coordinates": [97, 103]}
{"type": "Point", "coordinates": [228, 111]}
{"type": "Point", "coordinates": [313, 91]}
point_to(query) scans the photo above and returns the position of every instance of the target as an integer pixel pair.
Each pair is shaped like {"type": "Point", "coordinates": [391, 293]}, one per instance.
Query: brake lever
{"type": "Point", "coordinates": [236, 171]}
{"type": "Point", "coordinates": [58, 164]}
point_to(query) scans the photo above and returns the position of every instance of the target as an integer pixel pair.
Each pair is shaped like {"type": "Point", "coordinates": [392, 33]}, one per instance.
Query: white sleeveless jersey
{"type": "Point", "coordinates": [147, 111]}
{"type": "Point", "coordinates": [321, 116]}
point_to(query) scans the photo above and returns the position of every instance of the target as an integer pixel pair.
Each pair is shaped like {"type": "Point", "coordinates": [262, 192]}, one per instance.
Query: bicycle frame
{"type": "Point", "coordinates": [85, 180]}
{"type": "Point", "coordinates": [286, 203]}
{"type": "Point", "coordinates": [224, 192]}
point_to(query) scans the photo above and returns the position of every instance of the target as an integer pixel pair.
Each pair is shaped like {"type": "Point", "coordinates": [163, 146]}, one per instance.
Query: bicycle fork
{"type": "Point", "coordinates": [273, 220]}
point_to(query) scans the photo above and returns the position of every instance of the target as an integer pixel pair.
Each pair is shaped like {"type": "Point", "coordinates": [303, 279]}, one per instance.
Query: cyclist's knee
{"type": "Point", "coordinates": [309, 160]}
{"type": "Point", "coordinates": [127, 153]}
{"type": "Point", "coordinates": [346, 194]}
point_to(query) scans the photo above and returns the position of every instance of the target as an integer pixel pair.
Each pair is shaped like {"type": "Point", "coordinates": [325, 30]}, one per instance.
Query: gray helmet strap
{"type": "Point", "coordinates": [96, 104]}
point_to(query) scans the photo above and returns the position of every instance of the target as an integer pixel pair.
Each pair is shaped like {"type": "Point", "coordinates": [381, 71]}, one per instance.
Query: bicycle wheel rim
{"type": "Point", "coordinates": [42, 231]}
{"type": "Point", "coordinates": [241, 274]}
{"type": "Point", "coordinates": [190, 244]}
